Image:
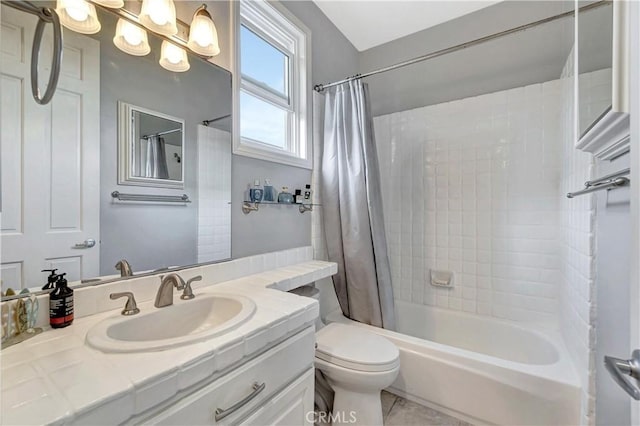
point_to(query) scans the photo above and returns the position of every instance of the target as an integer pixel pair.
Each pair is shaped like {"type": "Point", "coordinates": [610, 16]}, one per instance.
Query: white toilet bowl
{"type": "Point", "coordinates": [357, 364]}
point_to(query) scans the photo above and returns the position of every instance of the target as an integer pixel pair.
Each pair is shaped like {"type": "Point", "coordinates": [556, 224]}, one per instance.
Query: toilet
{"type": "Point", "coordinates": [358, 364]}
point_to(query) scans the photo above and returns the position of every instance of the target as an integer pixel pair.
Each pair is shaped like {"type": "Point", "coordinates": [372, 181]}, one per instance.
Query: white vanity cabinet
{"type": "Point", "coordinates": [274, 388]}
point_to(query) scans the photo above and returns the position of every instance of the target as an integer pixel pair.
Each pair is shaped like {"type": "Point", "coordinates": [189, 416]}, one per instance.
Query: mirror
{"type": "Point", "coordinates": [595, 47]}
{"type": "Point", "coordinates": [61, 162]}
{"type": "Point", "coordinates": [151, 146]}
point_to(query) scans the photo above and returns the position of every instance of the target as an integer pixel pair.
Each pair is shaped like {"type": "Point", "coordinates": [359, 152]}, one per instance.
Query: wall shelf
{"type": "Point", "coordinates": [249, 206]}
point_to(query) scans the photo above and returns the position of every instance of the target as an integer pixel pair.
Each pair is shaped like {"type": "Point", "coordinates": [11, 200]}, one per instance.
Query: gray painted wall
{"type": "Point", "coordinates": [534, 56]}
{"type": "Point", "coordinates": [613, 247]}
{"type": "Point", "coordinates": [172, 230]}
{"type": "Point", "coordinates": [151, 236]}
{"type": "Point", "coordinates": [279, 227]}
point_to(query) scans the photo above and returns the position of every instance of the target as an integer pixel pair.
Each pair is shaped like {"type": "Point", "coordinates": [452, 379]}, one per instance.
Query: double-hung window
{"type": "Point", "coordinates": [272, 81]}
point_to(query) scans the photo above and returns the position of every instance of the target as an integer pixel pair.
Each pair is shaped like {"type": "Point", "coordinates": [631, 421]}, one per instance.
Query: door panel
{"type": "Point", "coordinates": [50, 157]}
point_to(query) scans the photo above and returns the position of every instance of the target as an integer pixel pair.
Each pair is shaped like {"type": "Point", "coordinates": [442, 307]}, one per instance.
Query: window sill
{"type": "Point", "coordinates": [273, 156]}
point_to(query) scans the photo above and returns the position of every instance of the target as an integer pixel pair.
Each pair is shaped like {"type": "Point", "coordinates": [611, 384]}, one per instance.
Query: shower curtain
{"type": "Point", "coordinates": [154, 158]}
{"type": "Point", "coordinates": [352, 207]}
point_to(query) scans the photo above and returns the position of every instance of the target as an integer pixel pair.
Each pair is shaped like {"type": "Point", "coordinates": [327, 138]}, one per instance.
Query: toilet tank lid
{"type": "Point", "coordinates": [355, 345]}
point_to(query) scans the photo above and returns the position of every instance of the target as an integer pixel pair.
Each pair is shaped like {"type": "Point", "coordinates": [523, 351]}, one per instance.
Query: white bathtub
{"type": "Point", "coordinates": [481, 369]}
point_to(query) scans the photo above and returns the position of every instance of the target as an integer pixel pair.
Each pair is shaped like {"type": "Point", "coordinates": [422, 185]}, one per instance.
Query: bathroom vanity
{"type": "Point", "coordinates": [259, 371]}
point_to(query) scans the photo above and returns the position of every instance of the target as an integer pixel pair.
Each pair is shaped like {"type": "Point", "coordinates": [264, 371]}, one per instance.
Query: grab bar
{"type": "Point", "coordinates": [610, 181]}
{"type": "Point", "coordinates": [45, 15]}
{"type": "Point", "coordinates": [184, 198]}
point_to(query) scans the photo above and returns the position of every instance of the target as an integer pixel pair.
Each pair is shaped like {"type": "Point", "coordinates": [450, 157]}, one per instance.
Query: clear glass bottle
{"type": "Point", "coordinates": [285, 197]}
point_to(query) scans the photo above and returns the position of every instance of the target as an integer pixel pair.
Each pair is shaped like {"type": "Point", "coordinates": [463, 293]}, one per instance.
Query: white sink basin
{"type": "Point", "coordinates": [184, 322]}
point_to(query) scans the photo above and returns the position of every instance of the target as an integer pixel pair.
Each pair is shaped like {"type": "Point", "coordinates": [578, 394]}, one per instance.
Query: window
{"type": "Point", "coordinates": [272, 83]}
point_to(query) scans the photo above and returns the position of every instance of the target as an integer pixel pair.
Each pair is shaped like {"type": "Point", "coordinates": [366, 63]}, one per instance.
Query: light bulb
{"type": "Point", "coordinates": [78, 11]}
{"type": "Point", "coordinates": [131, 39]}
{"type": "Point", "coordinates": [78, 15]}
{"type": "Point", "coordinates": [132, 35]}
{"type": "Point", "coordinates": [159, 16]}
{"type": "Point", "coordinates": [203, 36]}
{"type": "Point", "coordinates": [174, 58]}
{"type": "Point", "coordinates": [173, 53]}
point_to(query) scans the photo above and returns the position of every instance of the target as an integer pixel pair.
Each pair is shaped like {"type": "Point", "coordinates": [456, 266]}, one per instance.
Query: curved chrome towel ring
{"type": "Point", "coordinates": [47, 15]}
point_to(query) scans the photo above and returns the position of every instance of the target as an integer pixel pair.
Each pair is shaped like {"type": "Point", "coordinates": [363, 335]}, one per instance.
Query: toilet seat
{"type": "Point", "coordinates": [354, 348]}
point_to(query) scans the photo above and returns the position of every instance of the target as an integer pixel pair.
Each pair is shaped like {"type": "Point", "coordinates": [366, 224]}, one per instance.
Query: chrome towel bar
{"type": "Point", "coordinates": [184, 198]}
{"type": "Point", "coordinates": [611, 181]}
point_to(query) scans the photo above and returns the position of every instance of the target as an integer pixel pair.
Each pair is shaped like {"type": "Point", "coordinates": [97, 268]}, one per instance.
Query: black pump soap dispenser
{"type": "Point", "coordinates": [61, 304]}
{"type": "Point", "coordinates": [51, 279]}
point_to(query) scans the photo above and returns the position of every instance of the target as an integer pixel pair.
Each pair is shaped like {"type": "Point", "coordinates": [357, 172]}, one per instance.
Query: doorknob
{"type": "Point", "coordinates": [88, 243]}
{"type": "Point", "coordinates": [620, 368]}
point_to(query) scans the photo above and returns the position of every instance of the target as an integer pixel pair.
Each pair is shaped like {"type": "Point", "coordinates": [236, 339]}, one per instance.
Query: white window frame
{"type": "Point", "coordinates": [274, 23]}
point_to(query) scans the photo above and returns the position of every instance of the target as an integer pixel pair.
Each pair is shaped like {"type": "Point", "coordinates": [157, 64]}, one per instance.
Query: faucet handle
{"type": "Point", "coordinates": [188, 292]}
{"type": "Point", "coordinates": [130, 308]}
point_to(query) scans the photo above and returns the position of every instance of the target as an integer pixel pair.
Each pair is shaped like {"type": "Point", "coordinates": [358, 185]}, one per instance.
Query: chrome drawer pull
{"type": "Point", "coordinates": [222, 413]}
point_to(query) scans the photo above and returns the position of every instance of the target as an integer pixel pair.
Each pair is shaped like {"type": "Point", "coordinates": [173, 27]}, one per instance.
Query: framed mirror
{"type": "Point", "coordinates": [61, 162]}
{"type": "Point", "coordinates": [151, 148]}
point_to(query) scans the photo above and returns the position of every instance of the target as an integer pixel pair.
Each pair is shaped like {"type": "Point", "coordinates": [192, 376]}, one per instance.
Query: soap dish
{"type": "Point", "coordinates": [441, 278]}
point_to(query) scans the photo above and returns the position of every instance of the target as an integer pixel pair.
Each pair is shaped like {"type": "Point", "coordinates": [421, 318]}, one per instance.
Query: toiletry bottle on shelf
{"type": "Point", "coordinates": [285, 196]}
{"type": "Point", "coordinates": [256, 193]}
{"type": "Point", "coordinates": [61, 304]}
{"type": "Point", "coordinates": [247, 193]}
{"type": "Point", "coordinates": [297, 198]}
{"type": "Point", "coordinates": [307, 194]}
{"type": "Point", "coordinates": [51, 279]}
{"type": "Point", "coordinates": [269, 192]}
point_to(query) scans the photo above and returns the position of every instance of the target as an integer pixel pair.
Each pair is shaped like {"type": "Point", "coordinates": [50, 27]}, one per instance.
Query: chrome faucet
{"type": "Point", "coordinates": [165, 292]}
{"type": "Point", "coordinates": [124, 268]}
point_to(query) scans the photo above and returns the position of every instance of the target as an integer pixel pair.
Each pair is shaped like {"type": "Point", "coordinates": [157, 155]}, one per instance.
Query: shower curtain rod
{"type": "Point", "coordinates": [321, 87]}
{"type": "Point", "coordinates": [179, 129]}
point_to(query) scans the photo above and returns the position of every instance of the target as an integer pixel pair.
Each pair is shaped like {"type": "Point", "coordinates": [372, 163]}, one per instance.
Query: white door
{"type": "Point", "coordinates": [634, 8]}
{"type": "Point", "coordinates": [50, 158]}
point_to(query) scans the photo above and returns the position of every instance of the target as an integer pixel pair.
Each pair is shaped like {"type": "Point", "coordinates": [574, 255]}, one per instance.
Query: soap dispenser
{"type": "Point", "coordinates": [256, 192]}
{"type": "Point", "coordinates": [61, 304]}
{"type": "Point", "coordinates": [51, 279]}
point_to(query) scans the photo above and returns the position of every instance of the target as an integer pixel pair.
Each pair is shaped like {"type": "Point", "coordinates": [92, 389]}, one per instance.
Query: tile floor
{"type": "Point", "coordinates": [398, 411]}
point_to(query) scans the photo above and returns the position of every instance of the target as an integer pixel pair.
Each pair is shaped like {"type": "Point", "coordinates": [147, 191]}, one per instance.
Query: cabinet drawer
{"type": "Point", "coordinates": [240, 392]}
{"type": "Point", "coordinates": [293, 406]}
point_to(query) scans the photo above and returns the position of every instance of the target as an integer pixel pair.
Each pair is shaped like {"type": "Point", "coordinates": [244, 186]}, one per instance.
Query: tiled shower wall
{"type": "Point", "coordinates": [473, 187]}
{"type": "Point", "coordinates": [577, 232]}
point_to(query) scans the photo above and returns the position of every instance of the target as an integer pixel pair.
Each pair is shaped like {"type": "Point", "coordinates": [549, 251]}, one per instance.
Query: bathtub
{"type": "Point", "coordinates": [480, 369]}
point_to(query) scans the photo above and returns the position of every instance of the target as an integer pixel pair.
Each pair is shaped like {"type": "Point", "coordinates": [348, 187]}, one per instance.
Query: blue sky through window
{"type": "Point", "coordinates": [263, 62]}
{"type": "Point", "coordinates": [261, 121]}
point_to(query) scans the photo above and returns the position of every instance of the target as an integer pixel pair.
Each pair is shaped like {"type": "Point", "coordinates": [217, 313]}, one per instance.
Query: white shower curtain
{"type": "Point", "coordinates": [352, 207]}
{"type": "Point", "coordinates": [154, 158]}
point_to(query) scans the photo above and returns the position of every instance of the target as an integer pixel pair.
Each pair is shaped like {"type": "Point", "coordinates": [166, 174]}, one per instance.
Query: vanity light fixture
{"type": "Point", "coordinates": [131, 39]}
{"type": "Point", "coordinates": [159, 16]}
{"type": "Point", "coordinates": [112, 4]}
{"type": "Point", "coordinates": [203, 36]}
{"type": "Point", "coordinates": [174, 58]}
{"type": "Point", "coordinates": [78, 15]}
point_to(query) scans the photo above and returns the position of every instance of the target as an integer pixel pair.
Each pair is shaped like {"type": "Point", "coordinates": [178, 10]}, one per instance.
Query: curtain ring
{"type": "Point", "coordinates": [56, 60]}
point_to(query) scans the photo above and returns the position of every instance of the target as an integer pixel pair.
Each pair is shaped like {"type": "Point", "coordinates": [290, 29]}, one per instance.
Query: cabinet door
{"type": "Point", "coordinates": [293, 406]}
{"type": "Point", "coordinates": [251, 386]}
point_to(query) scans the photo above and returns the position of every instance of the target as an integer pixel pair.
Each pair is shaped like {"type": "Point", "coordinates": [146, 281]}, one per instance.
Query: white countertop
{"type": "Point", "coordinates": [56, 378]}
